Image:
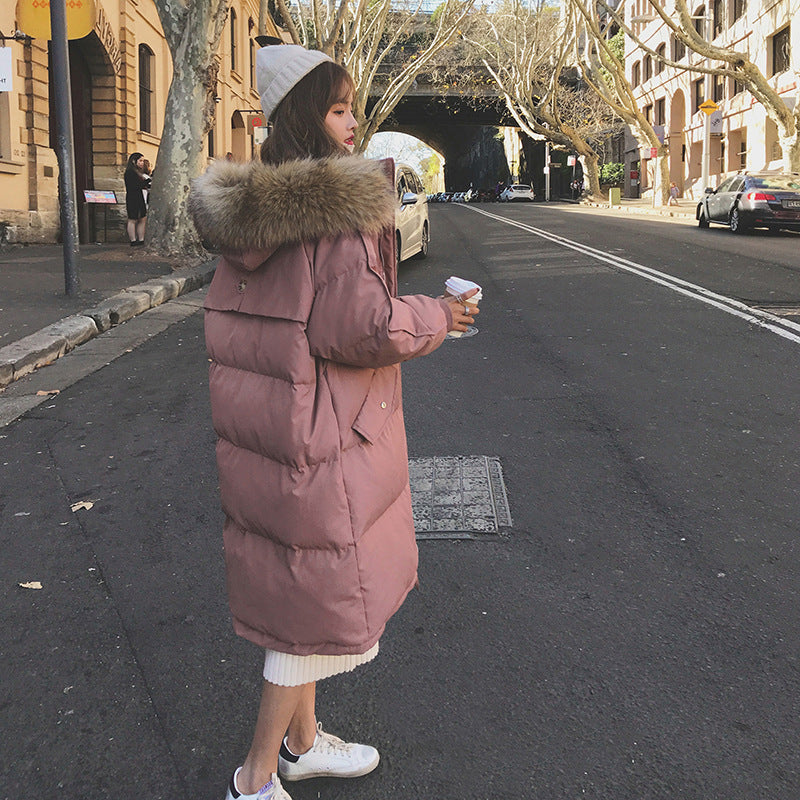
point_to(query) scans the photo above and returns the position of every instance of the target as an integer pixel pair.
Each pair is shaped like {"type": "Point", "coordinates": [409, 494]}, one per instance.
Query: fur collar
{"type": "Point", "coordinates": [257, 206]}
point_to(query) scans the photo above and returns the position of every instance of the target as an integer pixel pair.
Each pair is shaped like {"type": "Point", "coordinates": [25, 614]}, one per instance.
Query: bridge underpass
{"type": "Point", "coordinates": [464, 129]}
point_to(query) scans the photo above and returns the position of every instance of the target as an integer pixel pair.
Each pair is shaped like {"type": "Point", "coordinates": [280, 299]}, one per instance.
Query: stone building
{"type": "Point", "coordinates": [120, 76]}
{"type": "Point", "coordinates": [742, 136]}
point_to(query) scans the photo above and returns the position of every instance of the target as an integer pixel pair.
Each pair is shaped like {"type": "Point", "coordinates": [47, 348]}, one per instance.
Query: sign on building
{"type": "Point", "coordinates": [5, 69]}
{"type": "Point", "coordinates": [33, 17]}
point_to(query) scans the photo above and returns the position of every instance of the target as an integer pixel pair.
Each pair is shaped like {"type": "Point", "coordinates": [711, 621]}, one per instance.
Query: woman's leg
{"type": "Point", "coordinates": [140, 226]}
{"type": "Point", "coordinates": [132, 229]}
{"type": "Point", "coordinates": [303, 727]}
{"type": "Point", "coordinates": [279, 707]}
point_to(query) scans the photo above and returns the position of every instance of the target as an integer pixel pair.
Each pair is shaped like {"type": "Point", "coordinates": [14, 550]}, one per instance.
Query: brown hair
{"type": "Point", "coordinates": [298, 123]}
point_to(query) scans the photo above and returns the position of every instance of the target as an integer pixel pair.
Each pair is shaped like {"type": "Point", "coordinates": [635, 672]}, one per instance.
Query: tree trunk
{"type": "Point", "coordinates": [592, 173]}
{"type": "Point", "coordinates": [170, 230]}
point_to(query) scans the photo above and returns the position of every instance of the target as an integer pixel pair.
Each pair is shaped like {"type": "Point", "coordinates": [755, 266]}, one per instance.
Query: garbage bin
{"type": "Point", "coordinates": [614, 194]}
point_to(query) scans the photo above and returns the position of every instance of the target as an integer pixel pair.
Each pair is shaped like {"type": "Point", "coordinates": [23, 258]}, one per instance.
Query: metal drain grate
{"type": "Point", "coordinates": [458, 497]}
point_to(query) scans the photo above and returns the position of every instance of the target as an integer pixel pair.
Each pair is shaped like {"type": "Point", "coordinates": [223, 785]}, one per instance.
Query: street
{"type": "Point", "coordinates": [632, 636]}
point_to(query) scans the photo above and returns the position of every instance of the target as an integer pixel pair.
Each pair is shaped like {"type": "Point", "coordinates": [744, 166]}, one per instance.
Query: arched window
{"type": "Point", "coordinates": [718, 14]}
{"type": "Point", "coordinates": [234, 32]}
{"type": "Point", "coordinates": [647, 68]}
{"type": "Point", "coordinates": [636, 70]}
{"type": "Point", "coordinates": [661, 51]}
{"type": "Point", "coordinates": [146, 59]}
{"type": "Point", "coordinates": [699, 21]}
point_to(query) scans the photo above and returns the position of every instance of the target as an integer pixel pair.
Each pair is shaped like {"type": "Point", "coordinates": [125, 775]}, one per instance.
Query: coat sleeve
{"type": "Point", "coordinates": [355, 321]}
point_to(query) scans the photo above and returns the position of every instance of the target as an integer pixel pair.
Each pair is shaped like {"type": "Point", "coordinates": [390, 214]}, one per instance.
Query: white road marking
{"type": "Point", "coordinates": [783, 327]}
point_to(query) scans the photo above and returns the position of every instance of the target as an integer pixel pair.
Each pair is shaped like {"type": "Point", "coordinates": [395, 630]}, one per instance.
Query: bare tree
{"type": "Point", "coordinates": [384, 47]}
{"type": "Point", "coordinates": [604, 72]}
{"type": "Point", "coordinates": [732, 62]}
{"type": "Point", "coordinates": [192, 29]}
{"type": "Point", "coordinates": [527, 53]}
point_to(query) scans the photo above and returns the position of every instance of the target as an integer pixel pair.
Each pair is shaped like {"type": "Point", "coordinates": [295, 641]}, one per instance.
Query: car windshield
{"type": "Point", "coordinates": [786, 183]}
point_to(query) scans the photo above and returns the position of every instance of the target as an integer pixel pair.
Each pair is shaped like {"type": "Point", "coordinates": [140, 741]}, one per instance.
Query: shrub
{"type": "Point", "coordinates": [612, 174]}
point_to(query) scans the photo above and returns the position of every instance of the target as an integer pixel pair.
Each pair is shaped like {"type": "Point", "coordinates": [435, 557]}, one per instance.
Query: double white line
{"type": "Point", "coordinates": [783, 327]}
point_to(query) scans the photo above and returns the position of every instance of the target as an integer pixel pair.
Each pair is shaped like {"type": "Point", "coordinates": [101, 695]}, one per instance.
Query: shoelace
{"type": "Point", "coordinates": [329, 743]}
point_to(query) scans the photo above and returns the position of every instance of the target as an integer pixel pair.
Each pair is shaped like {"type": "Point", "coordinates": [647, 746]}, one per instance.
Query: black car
{"type": "Point", "coordinates": [753, 200]}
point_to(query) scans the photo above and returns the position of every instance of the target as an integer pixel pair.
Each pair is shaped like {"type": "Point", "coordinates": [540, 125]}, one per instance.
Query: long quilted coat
{"type": "Point", "coordinates": [305, 334]}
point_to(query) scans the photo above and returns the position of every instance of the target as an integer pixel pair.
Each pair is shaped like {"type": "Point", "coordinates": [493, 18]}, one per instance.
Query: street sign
{"type": "Point", "coordinates": [33, 17]}
{"type": "Point", "coordinates": [653, 152]}
{"type": "Point", "coordinates": [708, 107]}
{"type": "Point", "coordinates": [256, 121]}
{"type": "Point", "coordinates": [6, 69]}
{"type": "Point", "coordinates": [570, 161]}
{"type": "Point", "coordinates": [715, 121]}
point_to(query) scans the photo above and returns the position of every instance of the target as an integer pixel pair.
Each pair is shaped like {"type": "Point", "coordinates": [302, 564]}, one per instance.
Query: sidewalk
{"type": "Point", "coordinates": [638, 205]}
{"type": "Point", "coordinates": [39, 323]}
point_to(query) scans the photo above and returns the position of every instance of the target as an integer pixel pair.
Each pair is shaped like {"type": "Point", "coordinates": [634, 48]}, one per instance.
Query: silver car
{"type": "Point", "coordinates": [412, 226]}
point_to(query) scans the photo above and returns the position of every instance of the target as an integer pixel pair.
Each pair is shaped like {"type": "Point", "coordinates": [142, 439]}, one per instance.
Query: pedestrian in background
{"type": "Point", "coordinates": [147, 172]}
{"type": "Point", "coordinates": [136, 206]}
{"type": "Point", "coordinates": [306, 334]}
{"type": "Point", "coordinates": [673, 194]}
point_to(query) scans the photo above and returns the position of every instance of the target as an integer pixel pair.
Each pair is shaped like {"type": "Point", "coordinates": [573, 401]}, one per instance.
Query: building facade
{"type": "Point", "coordinates": [742, 135]}
{"type": "Point", "coordinates": [120, 76]}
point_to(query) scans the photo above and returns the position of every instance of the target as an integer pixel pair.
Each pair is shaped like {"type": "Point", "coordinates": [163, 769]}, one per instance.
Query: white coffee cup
{"type": "Point", "coordinates": [460, 286]}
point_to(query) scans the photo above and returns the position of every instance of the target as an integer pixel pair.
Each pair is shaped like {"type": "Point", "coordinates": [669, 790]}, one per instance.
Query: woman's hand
{"type": "Point", "coordinates": [463, 314]}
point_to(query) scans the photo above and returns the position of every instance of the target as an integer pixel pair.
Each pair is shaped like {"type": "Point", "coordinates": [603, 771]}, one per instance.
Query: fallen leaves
{"type": "Point", "coordinates": [82, 505]}
{"type": "Point", "coordinates": [31, 585]}
{"type": "Point", "coordinates": [47, 392]}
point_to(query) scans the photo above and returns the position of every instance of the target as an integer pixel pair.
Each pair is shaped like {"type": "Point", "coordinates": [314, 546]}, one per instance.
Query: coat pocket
{"type": "Point", "coordinates": [382, 400]}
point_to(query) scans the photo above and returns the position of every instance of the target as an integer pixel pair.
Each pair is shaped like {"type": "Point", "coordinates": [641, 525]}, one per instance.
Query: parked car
{"type": "Point", "coordinates": [753, 200]}
{"type": "Point", "coordinates": [517, 191]}
{"type": "Point", "coordinates": [412, 226]}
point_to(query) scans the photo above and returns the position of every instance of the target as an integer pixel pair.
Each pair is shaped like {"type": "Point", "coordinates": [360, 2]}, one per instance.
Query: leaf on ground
{"type": "Point", "coordinates": [84, 504]}
{"type": "Point", "coordinates": [46, 392]}
{"type": "Point", "coordinates": [31, 585]}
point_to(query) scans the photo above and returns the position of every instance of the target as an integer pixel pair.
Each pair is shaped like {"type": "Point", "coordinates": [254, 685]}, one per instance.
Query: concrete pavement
{"type": "Point", "coordinates": [39, 323]}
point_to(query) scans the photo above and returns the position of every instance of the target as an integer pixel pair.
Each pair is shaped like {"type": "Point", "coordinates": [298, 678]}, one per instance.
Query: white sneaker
{"type": "Point", "coordinates": [330, 757]}
{"type": "Point", "coordinates": [270, 791]}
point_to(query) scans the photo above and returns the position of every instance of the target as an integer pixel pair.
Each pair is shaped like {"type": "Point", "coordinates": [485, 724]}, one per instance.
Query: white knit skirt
{"type": "Point", "coordinates": [284, 669]}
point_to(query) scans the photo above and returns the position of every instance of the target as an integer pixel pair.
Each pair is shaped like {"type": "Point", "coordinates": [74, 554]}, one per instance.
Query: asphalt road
{"type": "Point", "coordinates": [634, 635]}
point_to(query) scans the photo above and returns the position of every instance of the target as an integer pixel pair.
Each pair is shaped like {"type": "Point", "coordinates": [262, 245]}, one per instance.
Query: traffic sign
{"type": "Point", "coordinates": [708, 107]}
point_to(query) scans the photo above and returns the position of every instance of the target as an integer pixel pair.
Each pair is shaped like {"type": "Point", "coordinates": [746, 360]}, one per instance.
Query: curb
{"type": "Point", "coordinates": [662, 211]}
{"type": "Point", "coordinates": [52, 342]}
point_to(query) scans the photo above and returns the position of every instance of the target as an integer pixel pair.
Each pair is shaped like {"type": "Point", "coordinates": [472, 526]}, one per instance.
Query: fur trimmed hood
{"type": "Point", "coordinates": [257, 206]}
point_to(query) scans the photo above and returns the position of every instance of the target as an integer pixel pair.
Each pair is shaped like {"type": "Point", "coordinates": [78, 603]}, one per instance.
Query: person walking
{"type": "Point", "coordinates": [305, 334]}
{"type": "Point", "coordinates": [136, 206]}
{"type": "Point", "coordinates": [673, 194]}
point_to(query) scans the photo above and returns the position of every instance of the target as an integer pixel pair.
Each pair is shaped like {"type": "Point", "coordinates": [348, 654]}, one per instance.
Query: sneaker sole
{"type": "Point", "coordinates": [302, 776]}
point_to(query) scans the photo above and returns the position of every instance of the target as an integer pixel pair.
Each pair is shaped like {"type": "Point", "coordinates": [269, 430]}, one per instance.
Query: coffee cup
{"type": "Point", "coordinates": [459, 287]}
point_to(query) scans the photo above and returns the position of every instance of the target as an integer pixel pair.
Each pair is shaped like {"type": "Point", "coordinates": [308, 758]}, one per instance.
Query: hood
{"type": "Point", "coordinates": [259, 207]}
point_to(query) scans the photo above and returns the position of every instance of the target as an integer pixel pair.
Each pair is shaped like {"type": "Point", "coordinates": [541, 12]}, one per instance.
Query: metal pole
{"type": "Point", "coordinates": [64, 145]}
{"type": "Point", "coordinates": [547, 170]}
{"type": "Point", "coordinates": [708, 90]}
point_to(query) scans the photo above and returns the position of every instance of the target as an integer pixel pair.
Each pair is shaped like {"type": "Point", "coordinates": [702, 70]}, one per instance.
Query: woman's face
{"type": "Point", "coordinates": [340, 123]}
{"type": "Point", "coordinates": [140, 163]}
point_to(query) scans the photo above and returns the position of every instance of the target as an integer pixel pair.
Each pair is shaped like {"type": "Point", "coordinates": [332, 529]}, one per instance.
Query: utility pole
{"type": "Point", "coordinates": [708, 24]}
{"type": "Point", "coordinates": [64, 145]}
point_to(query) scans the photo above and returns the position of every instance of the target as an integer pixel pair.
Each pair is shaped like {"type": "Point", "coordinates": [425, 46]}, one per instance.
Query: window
{"type": "Point", "coordinates": [648, 113]}
{"type": "Point", "coordinates": [234, 51]}
{"type": "Point", "coordinates": [647, 68]}
{"type": "Point", "coordinates": [661, 52]}
{"type": "Point", "coordinates": [718, 88]}
{"type": "Point", "coordinates": [252, 65]}
{"type": "Point", "coordinates": [636, 74]}
{"type": "Point", "coordinates": [211, 148]}
{"type": "Point", "coordinates": [781, 50]}
{"type": "Point", "coordinates": [678, 48]}
{"type": "Point", "coordinates": [145, 88]}
{"type": "Point", "coordinates": [743, 153]}
{"type": "Point", "coordinates": [739, 7]}
{"type": "Point", "coordinates": [699, 21]}
{"type": "Point", "coordinates": [718, 16]}
{"type": "Point", "coordinates": [736, 87]}
{"type": "Point", "coordinates": [661, 111]}
{"type": "Point", "coordinates": [698, 94]}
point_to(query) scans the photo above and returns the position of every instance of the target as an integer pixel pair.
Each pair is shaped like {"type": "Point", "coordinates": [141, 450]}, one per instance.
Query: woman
{"type": "Point", "coordinates": [136, 181]}
{"type": "Point", "coordinates": [306, 334]}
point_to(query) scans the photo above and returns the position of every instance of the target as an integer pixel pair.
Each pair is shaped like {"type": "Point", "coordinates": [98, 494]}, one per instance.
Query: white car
{"type": "Point", "coordinates": [517, 191]}
{"type": "Point", "coordinates": [413, 229]}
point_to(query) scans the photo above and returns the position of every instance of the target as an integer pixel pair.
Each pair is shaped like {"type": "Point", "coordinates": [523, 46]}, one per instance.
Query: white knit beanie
{"type": "Point", "coordinates": [279, 67]}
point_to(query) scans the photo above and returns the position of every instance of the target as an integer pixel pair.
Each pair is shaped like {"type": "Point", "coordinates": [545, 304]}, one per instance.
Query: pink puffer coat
{"type": "Point", "coordinates": [306, 335]}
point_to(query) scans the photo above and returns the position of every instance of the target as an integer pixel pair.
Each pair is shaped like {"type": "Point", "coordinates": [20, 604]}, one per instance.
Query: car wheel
{"type": "Point", "coordinates": [702, 219]}
{"type": "Point", "coordinates": [426, 238]}
{"type": "Point", "coordinates": [735, 222]}
{"type": "Point", "coordinates": [397, 247]}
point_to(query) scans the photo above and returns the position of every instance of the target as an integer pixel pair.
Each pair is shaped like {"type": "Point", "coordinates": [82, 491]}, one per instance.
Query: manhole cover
{"type": "Point", "coordinates": [458, 497]}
